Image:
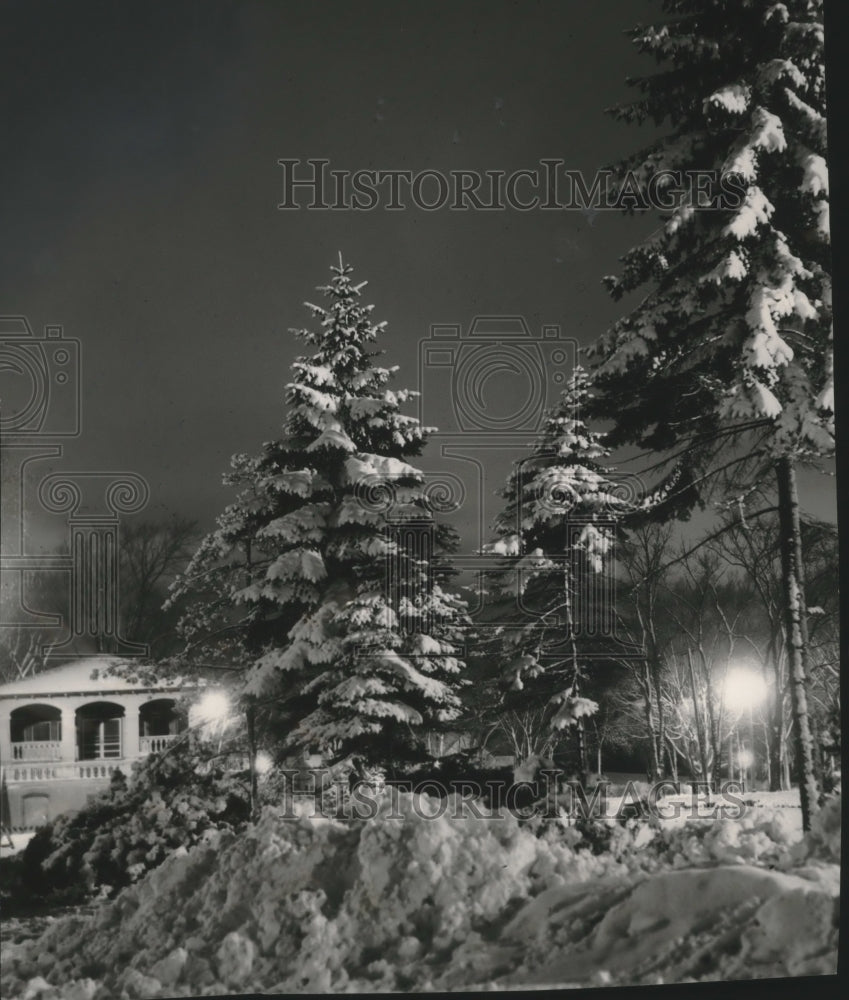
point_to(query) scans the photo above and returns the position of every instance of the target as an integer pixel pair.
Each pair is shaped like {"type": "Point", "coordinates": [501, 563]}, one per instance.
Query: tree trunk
{"type": "Point", "coordinates": [714, 735]}
{"type": "Point", "coordinates": [795, 613]}
{"type": "Point", "coordinates": [580, 736]}
{"type": "Point", "coordinates": [816, 743]}
{"type": "Point", "coordinates": [673, 762]}
{"type": "Point", "coordinates": [250, 715]}
{"type": "Point", "coordinates": [583, 763]}
{"type": "Point", "coordinates": [660, 773]}
{"type": "Point", "coordinates": [776, 727]}
{"type": "Point", "coordinates": [654, 764]}
{"type": "Point", "coordinates": [250, 718]}
{"type": "Point", "coordinates": [740, 773]}
{"type": "Point", "coordinates": [697, 715]}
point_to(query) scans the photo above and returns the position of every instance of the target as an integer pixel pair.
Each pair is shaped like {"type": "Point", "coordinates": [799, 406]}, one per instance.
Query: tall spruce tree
{"type": "Point", "coordinates": [726, 362]}
{"type": "Point", "coordinates": [322, 578]}
{"type": "Point", "coordinates": [557, 529]}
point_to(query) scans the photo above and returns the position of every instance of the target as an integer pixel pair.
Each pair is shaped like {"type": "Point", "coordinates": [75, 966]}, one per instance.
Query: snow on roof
{"type": "Point", "coordinates": [77, 678]}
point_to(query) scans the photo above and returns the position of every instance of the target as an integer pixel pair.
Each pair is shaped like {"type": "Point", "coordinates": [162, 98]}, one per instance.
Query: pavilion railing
{"type": "Point", "coordinates": [26, 750]}
{"type": "Point", "coordinates": [156, 744]}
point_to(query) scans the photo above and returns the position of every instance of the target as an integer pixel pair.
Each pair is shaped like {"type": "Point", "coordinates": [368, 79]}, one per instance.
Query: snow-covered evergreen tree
{"type": "Point", "coordinates": [308, 583]}
{"type": "Point", "coordinates": [726, 360]}
{"type": "Point", "coordinates": [556, 530]}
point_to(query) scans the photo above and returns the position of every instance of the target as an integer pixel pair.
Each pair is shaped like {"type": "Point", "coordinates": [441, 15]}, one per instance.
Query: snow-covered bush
{"type": "Point", "coordinates": [172, 800]}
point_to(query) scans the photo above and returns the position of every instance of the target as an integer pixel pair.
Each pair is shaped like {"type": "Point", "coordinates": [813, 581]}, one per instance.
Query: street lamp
{"type": "Point", "coordinates": [212, 713]}
{"type": "Point", "coordinates": [263, 762]}
{"type": "Point", "coordinates": [214, 706]}
{"type": "Point", "coordinates": [743, 690]}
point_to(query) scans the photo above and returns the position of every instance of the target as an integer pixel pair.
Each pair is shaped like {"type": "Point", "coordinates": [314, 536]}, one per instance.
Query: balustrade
{"type": "Point", "coordinates": [37, 750]}
{"type": "Point", "coordinates": [156, 744]}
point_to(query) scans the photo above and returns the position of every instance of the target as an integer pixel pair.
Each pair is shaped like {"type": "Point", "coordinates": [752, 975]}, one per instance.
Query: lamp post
{"type": "Point", "coordinates": [744, 688]}
{"type": "Point", "coordinates": [746, 758]}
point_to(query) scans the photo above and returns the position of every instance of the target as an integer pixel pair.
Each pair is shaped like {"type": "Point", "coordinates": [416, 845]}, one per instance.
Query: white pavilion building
{"type": "Point", "coordinates": [63, 733]}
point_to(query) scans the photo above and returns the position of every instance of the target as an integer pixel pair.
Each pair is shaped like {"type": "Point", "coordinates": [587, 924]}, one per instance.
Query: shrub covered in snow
{"type": "Point", "coordinates": [172, 800]}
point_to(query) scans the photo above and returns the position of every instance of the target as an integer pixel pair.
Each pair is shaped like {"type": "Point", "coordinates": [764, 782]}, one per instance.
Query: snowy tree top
{"type": "Point", "coordinates": [735, 326]}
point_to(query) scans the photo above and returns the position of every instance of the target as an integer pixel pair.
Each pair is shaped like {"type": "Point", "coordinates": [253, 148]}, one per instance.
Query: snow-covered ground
{"type": "Point", "coordinates": [18, 842]}
{"type": "Point", "coordinates": [677, 810]}
{"type": "Point", "coordinates": [402, 902]}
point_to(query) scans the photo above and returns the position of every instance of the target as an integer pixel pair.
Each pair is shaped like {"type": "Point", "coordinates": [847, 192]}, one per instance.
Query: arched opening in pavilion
{"type": "Point", "coordinates": [160, 722]}
{"type": "Point", "coordinates": [100, 728]}
{"type": "Point", "coordinates": [36, 732]}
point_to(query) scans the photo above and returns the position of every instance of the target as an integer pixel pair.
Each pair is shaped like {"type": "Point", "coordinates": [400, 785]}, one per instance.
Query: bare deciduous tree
{"type": "Point", "coordinates": [153, 552]}
{"type": "Point", "coordinates": [643, 622]}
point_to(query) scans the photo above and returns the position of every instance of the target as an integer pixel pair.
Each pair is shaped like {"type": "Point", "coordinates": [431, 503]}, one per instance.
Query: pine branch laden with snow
{"type": "Point", "coordinates": [557, 525]}
{"type": "Point", "coordinates": [293, 582]}
{"type": "Point", "coordinates": [736, 323]}
{"type": "Point", "coordinates": [572, 708]}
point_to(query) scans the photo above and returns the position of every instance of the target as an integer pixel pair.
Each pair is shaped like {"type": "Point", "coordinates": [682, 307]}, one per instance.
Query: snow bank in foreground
{"type": "Point", "coordinates": [409, 903]}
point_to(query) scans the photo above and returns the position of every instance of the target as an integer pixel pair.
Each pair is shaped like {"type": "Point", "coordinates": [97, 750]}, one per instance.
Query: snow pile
{"type": "Point", "coordinates": [406, 902]}
{"type": "Point", "coordinates": [762, 836]}
{"type": "Point", "coordinates": [713, 923]}
{"type": "Point", "coordinates": [823, 840]}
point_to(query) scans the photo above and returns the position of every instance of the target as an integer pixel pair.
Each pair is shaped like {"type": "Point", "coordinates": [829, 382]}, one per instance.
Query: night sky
{"type": "Point", "coordinates": [140, 183]}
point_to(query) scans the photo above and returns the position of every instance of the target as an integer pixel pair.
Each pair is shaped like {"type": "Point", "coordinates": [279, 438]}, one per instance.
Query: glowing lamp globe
{"type": "Point", "coordinates": [214, 706]}
{"type": "Point", "coordinates": [744, 688]}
